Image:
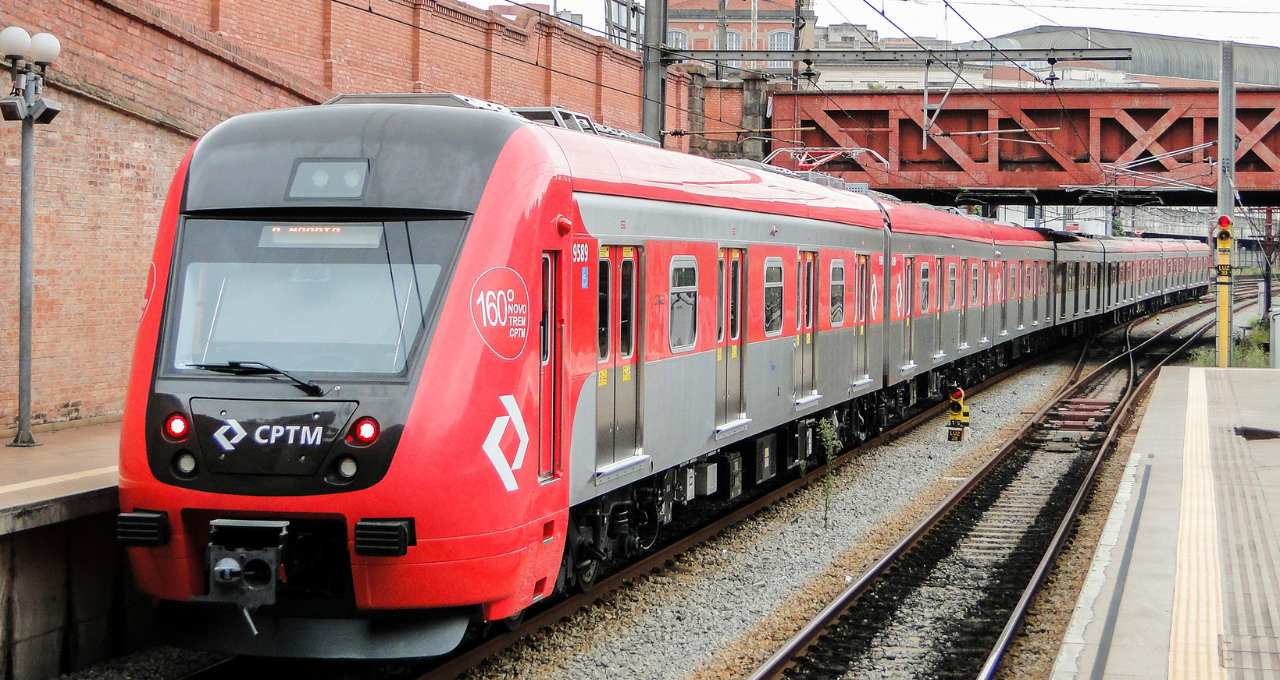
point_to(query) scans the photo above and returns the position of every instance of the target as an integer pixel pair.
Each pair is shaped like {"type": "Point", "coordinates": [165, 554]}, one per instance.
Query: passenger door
{"type": "Point", "coordinates": [617, 352]}
{"type": "Point", "coordinates": [907, 290]}
{"type": "Point", "coordinates": [806, 300]}
{"type": "Point", "coordinates": [729, 338]}
{"type": "Point", "coordinates": [862, 302]}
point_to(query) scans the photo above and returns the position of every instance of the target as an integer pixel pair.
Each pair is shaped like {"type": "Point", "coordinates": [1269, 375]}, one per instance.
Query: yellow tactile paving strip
{"type": "Point", "coordinates": [1197, 597]}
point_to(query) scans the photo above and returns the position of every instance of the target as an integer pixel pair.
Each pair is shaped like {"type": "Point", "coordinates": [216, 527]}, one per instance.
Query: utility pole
{"type": "Point", "coordinates": [655, 35]}
{"type": "Point", "coordinates": [797, 24]}
{"type": "Point", "coordinates": [1268, 251]}
{"type": "Point", "coordinates": [1226, 200]}
{"type": "Point", "coordinates": [722, 33]}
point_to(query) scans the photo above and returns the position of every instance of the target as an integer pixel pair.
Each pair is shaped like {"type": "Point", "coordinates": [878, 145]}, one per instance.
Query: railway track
{"type": "Point", "coordinates": [948, 599]}
{"type": "Point", "coordinates": [499, 640]}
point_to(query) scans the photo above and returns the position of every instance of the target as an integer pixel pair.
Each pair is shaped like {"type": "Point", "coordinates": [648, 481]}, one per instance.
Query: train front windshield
{"type": "Point", "coordinates": [348, 298]}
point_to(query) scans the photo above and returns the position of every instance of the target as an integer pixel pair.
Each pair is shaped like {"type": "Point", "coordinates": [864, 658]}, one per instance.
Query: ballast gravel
{"type": "Point", "coordinates": [679, 620]}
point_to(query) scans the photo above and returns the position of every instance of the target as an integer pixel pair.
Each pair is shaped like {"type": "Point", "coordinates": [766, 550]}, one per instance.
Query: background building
{"type": "Point", "coordinates": [747, 24]}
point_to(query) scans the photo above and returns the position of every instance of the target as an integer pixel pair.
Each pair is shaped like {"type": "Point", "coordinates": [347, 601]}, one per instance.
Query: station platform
{"type": "Point", "coordinates": [71, 474]}
{"type": "Point", "coordinates": [1185, 581]}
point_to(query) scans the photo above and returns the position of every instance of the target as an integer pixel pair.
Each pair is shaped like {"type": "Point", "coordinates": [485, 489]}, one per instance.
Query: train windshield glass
{"type": "Point", "coordinates": [307, 297]}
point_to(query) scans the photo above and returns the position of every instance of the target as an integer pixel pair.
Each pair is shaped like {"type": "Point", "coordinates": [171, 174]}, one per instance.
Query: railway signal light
{"type": "Point", "coordinates": [957, 415]}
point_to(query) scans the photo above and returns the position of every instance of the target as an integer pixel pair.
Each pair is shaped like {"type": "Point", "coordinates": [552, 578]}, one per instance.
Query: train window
{"type": "Point", "coordinates": [602, 312]}
{"type": "Point", "coordinates": [799, 294]}
{"type": "Point", "coordinates": [974, 289]}
{"type": "Point", "coordinates": [264, 291]}
{"type": "Point", "coordinates": [683, 331]}
{"type": "Point", "coordinates": [720, 311]}
{"type": "Point", "coordinates": [1013, 281]}
{"type": "Point", "coordinates": [808, 294]}
{"type": "Point", "coordinates": [924, 286]}
{"type": "Point", "coordinates": [627, 308]}
{"type": "Point", "coordinates": [735, 296]}
{"type": "Point", "coordinates": [772, 296]}
{"type": "Point", "coordinates": [837, 292]}
{"type": "Point", "coordinates": [951, 285]}
{"type": "Point", "coordinates": [548, 299]}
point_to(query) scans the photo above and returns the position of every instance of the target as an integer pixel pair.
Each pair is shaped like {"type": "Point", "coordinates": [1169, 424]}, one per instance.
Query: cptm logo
{"type": "Point", "coordinates": [493, 442]}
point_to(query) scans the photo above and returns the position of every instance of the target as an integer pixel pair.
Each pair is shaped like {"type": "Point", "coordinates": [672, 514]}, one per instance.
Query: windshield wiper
{"type": "Point", "coordinates": [259, 368]}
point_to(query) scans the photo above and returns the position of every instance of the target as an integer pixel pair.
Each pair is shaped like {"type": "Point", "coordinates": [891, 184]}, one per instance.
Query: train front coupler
{"type": "Point", "coordinates": [243, 560]}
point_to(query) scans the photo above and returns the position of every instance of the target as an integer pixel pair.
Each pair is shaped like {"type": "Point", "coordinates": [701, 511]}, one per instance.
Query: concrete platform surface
{"type": "Point", "coordinates": [71, 474]}
{"type": "Point", "coordinates": [1185, 582]}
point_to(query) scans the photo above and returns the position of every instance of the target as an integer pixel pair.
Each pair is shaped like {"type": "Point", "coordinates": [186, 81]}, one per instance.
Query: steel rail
{"type": "Point", "coordinates": [538, 621]}
{"type": "Point", "coordinates": [1118, 422]}
{"type": "Point", "coordinates": [799, 642]}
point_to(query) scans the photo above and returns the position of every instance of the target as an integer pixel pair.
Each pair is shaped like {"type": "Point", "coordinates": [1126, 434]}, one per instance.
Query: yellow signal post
{"type": "Point", "coordinates": [1223, 240]}
{"type": "Point", "coordinates": [957, 416]}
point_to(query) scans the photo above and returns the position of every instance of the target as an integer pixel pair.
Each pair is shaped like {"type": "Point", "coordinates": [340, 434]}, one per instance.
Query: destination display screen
{"type": "Point", "coordinates": [321, 236]}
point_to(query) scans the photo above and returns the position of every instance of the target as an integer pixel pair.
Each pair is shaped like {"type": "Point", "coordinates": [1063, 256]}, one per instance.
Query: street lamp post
{"type": "Point", "coordinates": [29, 57]}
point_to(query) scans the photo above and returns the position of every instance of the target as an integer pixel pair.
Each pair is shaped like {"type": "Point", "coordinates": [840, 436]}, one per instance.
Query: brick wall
{"type": "Point", "coordinates": [140, 80]}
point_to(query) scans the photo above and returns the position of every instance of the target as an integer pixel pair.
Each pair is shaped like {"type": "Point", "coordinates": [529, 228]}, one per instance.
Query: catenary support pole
{"type": "Point", "coordinates": [655, 34]}
{"type": "Point", "coordinates": [1226, 198]}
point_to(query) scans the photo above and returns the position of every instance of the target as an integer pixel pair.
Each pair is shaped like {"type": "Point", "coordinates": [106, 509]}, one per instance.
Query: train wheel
{"type": "Point", "coordinates": [585, 573]}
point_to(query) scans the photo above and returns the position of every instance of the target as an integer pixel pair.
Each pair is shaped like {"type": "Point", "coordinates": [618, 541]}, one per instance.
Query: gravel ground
{"type": "Point", "coordinates": [770, 573]}
{"type": "Point", "coordinates": [1034, 651]}
{"type": "Point", "coordinates": [152, 663]}
{"type": "Point", "coordinates": [1036, 647]}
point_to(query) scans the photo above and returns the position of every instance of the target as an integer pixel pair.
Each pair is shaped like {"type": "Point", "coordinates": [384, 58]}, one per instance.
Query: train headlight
{"type": "Point", "coordinates": [347, 467]}
{"type": "Point", "coordinates": [177, 427]}
{"type": "Point", "coordinates": [184, 463]}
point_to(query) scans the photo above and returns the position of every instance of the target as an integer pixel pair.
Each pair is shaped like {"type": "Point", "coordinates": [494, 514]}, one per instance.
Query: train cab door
{"type": "Point", "coordinates": [617, 351]}
{"type": "Point", "coordinates": [729, 340]}
{"type": "Point", "coordinates": [804, 366]}
{"type": "Point", "coordinates": [549, 370]}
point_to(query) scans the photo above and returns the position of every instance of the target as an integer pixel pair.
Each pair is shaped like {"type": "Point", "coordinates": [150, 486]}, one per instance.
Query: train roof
{"type": "Point", "coordinates": [915, 218]}
{"type": "Point", "coordinates": [619, 168]}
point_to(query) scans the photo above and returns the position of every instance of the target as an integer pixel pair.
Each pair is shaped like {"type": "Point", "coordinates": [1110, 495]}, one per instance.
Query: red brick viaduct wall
{"type": "Point", "coordinates": [139, 80]}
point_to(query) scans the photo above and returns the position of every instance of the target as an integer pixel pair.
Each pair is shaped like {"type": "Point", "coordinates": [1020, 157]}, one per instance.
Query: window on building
{"type": "Point", "coordinates": [684, 303]}
{"type": "Point", "coordinates": [677, 39]}
{"type": "Point", "coordinates": [780, 40]}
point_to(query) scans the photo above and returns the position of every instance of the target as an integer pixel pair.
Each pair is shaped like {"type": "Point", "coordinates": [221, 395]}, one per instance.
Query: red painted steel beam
{"type": "Point", "coordinates": [1096, 130]}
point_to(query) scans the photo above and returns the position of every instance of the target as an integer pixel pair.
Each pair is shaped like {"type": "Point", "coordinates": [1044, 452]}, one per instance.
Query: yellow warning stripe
{"type": "Point", "coordinates": [1197, 590]}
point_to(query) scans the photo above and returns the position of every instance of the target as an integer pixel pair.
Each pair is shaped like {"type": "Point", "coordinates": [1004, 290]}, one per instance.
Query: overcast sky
{"type": "Point", "coordinates": [1253, 21]}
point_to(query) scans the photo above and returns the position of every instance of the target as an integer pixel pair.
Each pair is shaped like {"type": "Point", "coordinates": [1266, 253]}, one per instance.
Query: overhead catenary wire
{"type": "Point", "coordinates": [600, 32]}
{"type": "Point", "coordinates": [368, 9]}
{"type": "Point", "coordinates": [1007, 58]}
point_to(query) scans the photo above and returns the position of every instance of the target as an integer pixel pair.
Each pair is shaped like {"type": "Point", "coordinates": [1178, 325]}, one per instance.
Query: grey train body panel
{"type": "Point", "coordinates": [679, 398]}
{"type": "Point", "coordinates": [679, 392]}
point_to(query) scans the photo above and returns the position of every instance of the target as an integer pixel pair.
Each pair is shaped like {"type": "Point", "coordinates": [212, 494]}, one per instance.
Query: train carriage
{"type": "Point", "coordinates": [404, 367]}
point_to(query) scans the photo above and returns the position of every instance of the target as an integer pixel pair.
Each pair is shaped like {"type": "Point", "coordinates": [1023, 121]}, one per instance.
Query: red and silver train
{"type": "Point", "coordinates": [406, 367]}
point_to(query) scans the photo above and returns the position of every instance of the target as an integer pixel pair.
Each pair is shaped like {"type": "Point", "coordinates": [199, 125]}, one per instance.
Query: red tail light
{"type": "Point", "coordinates": [364, 431]}
{"type": "Point", "coordinates": [177, 427]}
